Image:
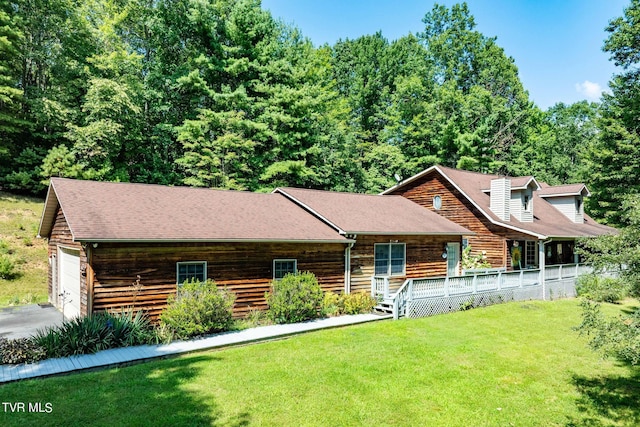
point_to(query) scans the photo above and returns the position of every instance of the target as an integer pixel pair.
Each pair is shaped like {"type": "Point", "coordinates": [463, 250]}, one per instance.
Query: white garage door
{"type": "Point", "coordinates": [69, 275]}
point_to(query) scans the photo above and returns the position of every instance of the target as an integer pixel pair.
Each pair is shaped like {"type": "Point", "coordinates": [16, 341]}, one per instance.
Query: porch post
{"type": "Point", "coordinates": [541, 262]}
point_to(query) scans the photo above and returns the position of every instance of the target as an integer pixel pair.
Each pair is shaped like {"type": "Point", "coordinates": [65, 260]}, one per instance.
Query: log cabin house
{"type": "Point", "coordinates": [518, 222]}
{"type": "Point", "coordinates": [117, 245]}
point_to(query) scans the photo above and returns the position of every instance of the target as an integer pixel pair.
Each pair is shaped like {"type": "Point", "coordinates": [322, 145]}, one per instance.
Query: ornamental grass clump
{"type": "Point", "coordinates": [96, 332]}
{"type": "Point", "coordinates": [198, 308]}
{"type": "Point", "coordinates": [294, 298]}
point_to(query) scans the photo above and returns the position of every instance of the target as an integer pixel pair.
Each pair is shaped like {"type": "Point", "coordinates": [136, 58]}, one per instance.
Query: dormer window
{"type": "Point", "coordinates": [568, 199]}
{"type": "Point", "coordinates": [526, 203]}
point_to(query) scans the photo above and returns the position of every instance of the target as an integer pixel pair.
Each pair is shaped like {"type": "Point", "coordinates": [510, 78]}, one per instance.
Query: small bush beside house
{"type": "Point", "coordinates": [355, 303]}
{"type": "Point", "coordinates": [295, 298]}
{"type": "Point", "coordinates": [601, 289]}
{"type": "Point", "coordinates": [198, 308]}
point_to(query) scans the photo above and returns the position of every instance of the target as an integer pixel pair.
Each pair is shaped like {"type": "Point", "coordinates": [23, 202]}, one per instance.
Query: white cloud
{"type": "Point", "coordinates": [591, 90]}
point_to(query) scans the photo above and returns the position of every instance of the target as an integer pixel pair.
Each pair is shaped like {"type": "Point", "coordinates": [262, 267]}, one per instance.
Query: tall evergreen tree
{"type": "Point", "coordinates": [614, 161]}
{"type": "Point", "coordinates": [11, 39]}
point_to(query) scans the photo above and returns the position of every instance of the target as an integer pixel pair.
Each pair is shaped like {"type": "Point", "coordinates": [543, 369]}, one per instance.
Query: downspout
{"type": "Point", "coordinates": [347, 267]}
{"type": "Point", "coordinates": [88, 276]}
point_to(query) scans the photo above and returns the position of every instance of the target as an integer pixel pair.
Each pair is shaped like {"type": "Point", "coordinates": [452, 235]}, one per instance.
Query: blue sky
{"type": "Point", "coordinates": [556, 44]}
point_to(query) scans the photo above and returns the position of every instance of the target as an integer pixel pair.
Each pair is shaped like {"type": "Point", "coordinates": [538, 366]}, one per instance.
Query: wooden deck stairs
{"type": "Point", "coordinates": [385, 306]}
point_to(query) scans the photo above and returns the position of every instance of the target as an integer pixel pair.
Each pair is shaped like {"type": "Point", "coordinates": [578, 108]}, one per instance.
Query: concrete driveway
{"type": "Point", "coordinates": [25, 320]}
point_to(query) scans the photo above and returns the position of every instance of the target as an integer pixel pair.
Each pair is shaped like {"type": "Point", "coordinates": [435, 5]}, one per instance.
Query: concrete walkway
{"type": "Point", "coordinates": [125, 355]}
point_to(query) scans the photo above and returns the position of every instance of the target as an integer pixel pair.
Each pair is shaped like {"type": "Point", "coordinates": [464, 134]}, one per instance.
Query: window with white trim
{"type": "Point", "coordinates": [192, 270]}
{"type": "Point", "coordinates": [437, 202]}
{"type": "Point", "coordinates": [526, 203]}
{"type": "Point", "coordinates": [531, 253]}
{"type": "Point", "coordinates": [389, 259]}
{"type": "Point", "coordinates": [281, 267]}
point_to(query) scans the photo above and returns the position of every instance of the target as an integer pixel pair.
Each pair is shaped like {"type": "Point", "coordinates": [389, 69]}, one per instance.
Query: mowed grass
{"type": "Point", "coordinates": [516, 364]}
{"type": "Point", "coordinates": [19, 221]}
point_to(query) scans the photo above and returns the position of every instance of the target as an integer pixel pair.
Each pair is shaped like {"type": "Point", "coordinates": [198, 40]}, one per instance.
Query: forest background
{"type": "Point", "coordinates": [218, 93]}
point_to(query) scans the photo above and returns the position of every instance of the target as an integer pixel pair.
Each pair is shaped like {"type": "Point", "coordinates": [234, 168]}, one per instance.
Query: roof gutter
{"type": "Point", "coordinates": [410, 233]}
{"type": "Point", "coordinates": [551, 196]}
{"type": "Point", "coordinates": [318, 241]}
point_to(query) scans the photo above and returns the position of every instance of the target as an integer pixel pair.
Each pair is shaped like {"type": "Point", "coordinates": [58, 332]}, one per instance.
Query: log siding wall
{"type": "Point", "coordinates": [244, 268]}
{"type": "Point", "coordinates": [455, 207]}
{"type": "Point", "coordinates": [423, 258]}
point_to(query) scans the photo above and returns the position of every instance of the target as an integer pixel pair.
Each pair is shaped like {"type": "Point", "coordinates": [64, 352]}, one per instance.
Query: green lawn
{"type": "Point", "coordinates": [516, 364]}
{"type": "Point", "coordinates": [19, 221]}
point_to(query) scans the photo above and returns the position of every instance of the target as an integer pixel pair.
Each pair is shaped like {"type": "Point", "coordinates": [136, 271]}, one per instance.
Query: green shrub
{"type": "Point", "coordinates": [197, 309]}
{"type": "Point", "coordinates": [4, 247]}
{"type": "Point", "coordinates": [331, 304]}
{"type": "Point", "coordinates": [612, 336]}
{"type": "Point", "coordinates": [355, 303]}
{"type": "Point", "coordinates": [20, 350]}
{"type": "Point", "coordinates": [7, 268]}
{"type": "Point", "coordinates": [294, 298]}
{"type": "Point", "coordinates": [601, 289]}
{"type": "Point", "coordinates": [358, 303]}
{"type": "Point", "coordinates": [100, 331]}
{"type": "Point", "coordinates": [471, 262]}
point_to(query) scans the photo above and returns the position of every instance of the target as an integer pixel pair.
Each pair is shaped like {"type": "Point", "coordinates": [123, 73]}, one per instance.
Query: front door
{"type": "Point", "coordinates": [453, 259]}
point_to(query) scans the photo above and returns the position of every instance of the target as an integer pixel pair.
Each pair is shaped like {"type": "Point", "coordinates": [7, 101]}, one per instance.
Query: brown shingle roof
{"type": "Point", "coordinates": [523, 181]}
{"type": "Point", "coordinates": [104, 211]}
{"type": "Point", "coordinates": [562, 190]}
{"type": "Point", "coordinates": [373, 214]}
{"type": "Point", "coordinates": [548, 221]}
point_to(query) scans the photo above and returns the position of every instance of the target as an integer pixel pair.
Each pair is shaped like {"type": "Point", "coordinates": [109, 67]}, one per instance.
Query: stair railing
{"type": "Point", "coordinates": [380, 287]}
{"type": "Point", "coordinates": [402, 298]}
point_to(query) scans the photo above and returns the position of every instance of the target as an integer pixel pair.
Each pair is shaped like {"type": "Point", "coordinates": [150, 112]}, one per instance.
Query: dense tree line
{"type": "Point", "coordinates": [218, 93]}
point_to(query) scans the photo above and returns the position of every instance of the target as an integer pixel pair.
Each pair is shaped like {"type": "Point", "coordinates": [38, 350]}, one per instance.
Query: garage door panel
{"type": "Point", "coordinates": [69, 274]}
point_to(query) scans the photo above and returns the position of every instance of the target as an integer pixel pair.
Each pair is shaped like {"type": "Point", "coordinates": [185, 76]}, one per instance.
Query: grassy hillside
{"type": "Point", "coordinates": [19, 247]}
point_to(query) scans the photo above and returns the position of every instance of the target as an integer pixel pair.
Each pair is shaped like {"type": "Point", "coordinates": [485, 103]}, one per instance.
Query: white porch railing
{"type": "Point", "coordinates": [442, 287]}
{"type": "Point", "coordinates": [380, 287]}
